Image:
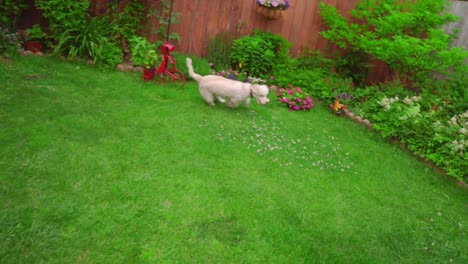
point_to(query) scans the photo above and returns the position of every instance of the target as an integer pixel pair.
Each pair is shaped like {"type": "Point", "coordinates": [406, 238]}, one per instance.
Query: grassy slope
{"type": "Point", "coordinates": [100, 167]}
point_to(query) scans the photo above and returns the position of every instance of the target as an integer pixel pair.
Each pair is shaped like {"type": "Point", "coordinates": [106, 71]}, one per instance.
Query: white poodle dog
{"type": "Point", "coordinates": [226, 90]}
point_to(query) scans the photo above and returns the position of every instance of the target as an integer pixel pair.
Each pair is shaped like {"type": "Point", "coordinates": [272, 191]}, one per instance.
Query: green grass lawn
{"type": "Point", "coordinates": [98, 166]}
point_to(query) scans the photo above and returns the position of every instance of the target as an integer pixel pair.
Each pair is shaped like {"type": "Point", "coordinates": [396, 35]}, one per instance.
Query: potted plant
{"type": "Point", "coordinates": [34, 38]}
{"type": "Point", "coordinates": [272, 9]}
{"type": "Point", "coordinates": [144, 55]}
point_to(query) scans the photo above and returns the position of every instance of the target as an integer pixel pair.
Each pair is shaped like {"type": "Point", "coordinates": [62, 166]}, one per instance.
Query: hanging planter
{"type": "Point", "coordinates": [270, 13]}
{"type": "Point", "coordinates": [272, 9]}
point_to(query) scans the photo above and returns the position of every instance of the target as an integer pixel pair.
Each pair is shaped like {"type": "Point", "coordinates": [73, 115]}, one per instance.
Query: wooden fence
{"type": "Point", "coordinates": [202, 20]}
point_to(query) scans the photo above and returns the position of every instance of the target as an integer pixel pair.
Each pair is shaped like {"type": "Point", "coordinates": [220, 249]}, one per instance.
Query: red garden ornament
{"type": "Point", "coordinates": [168, 69]}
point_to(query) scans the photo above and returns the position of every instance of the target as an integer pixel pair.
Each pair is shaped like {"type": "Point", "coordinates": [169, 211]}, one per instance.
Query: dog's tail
{"type": "Point", "coordinates": [196, 77]}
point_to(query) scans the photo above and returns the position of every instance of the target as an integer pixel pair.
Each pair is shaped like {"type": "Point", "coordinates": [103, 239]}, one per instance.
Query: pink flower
{"type": "Point", "coordinates": [290, 92]}
{"type": "Point", "coordinates": [298, 90]}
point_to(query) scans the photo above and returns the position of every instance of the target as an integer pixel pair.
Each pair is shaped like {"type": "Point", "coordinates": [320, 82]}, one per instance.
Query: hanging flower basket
{"type": "Point", "coordinates": [272, 9]}
{"type": "Point", "coordinates": [270, 13]}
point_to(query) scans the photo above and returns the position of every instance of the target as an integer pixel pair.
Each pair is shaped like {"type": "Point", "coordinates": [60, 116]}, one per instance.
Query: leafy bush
{"type": "Point", "coordinates": [449, 142]}
{"type": "Point", "coordinates": [313, 60]}
{"type": "Point", "coordinates": [423, 122]}
{"type": "Point", "coordinates": [219, 49]}
{"type": "Point", "coordinates": [317, 83]}
{"type": "Point", "coordinates": [252, 55]}
{"type": "Point", "coordinates": [280, 45]}
{"type": "Point", "coordinates": [35, 33]}
{"type": "Point", "coordinates": [258, 54]}
{"type": "Point", "coordinates": [9, 13]}
{"type": "Point", "coordinates": [89, 41]}
{"type": "Point", "coordinates": [144, 52]}
{"type": "Point", "coordinates": [126, 21]}
{"type": "Point", "coordinates": [63, 15]}
{"type": "Point", "coordinates": [403, 34]}
{"type": "Point", "coordinates": [9, 43]}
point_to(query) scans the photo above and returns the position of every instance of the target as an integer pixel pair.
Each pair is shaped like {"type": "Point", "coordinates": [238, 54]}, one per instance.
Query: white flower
{"type": "Point", "coordinates": [453, 121]}
{"type": "Point", "coordinates": [465, 115]}
{"type": "Point", "coordinates": [407, 100]}
{"type": "Point", "coordinates": [464, 131]}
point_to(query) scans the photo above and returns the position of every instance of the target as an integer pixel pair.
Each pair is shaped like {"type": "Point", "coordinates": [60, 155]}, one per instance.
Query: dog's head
{"type": "Point", "coordinates": [260, 92]}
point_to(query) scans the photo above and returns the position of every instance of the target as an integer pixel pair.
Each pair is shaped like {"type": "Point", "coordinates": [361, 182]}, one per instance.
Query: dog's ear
{"type": "Point", "coordinates": [259, 89]}
{"type": "Point", "coordinates": [255, 88]}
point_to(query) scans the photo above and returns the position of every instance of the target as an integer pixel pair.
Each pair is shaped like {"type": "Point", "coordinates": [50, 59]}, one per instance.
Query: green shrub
{"type": "Point", "coordinates": [425, 123]}
{"type": "Point", "coordinates": [63, 15]}
{"type": "Point", "coordinates": [35, 33]}
{"type": "Point", "coordinates": [89, 41]}
{"type": "Point", "coordinates": [144, 52]}
{"type": "Point", "coordinates": [9, 13]}
{"type": "Point", "coordinates": [252, 55]}
{"type": "Point", "coordinates": [219, 50]}
{"type": "Point", "coordinates": [403, 34]}
{"type": "Point", "coordinates": [259, 54]}
{"type": "Point", "coordinates": [9, 43]}
{"type": "Point", "coordinates": [313, 60]}
{"type": "Point", "coordinates": [279, 44]}
{"type": "Point", "coordinates": [317, 83]}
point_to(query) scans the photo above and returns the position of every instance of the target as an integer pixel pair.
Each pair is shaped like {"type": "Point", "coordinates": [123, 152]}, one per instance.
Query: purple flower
{"type": "Point", "coordinates": [280, 4]}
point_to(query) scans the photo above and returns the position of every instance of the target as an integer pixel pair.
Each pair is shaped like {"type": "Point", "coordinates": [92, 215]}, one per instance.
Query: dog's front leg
{"type": "Point", "coordinates": [247, 102]}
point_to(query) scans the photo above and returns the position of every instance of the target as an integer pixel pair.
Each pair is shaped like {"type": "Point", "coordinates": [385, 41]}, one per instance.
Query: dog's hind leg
{"type": "Point", "coordinates": [232, 103]}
